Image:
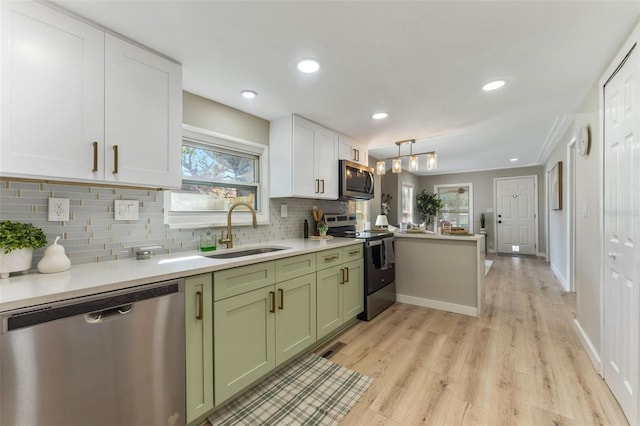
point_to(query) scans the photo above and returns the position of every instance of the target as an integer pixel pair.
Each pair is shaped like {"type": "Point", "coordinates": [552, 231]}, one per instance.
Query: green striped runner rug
{"type": "Point", "coordinates": [310, 391]}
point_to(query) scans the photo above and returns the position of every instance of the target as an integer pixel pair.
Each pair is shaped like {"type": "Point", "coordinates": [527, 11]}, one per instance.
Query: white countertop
{"type": "Point", "coordinates": [433, 236]}
{"type": "Point", "coordinates": [82, 280]}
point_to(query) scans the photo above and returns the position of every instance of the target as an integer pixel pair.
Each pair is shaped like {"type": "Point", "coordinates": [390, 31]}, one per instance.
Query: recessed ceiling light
{"type": "Point", "coordinates": [308, 66]}
{"type": "Point", "coordinates": [513, 159]}
{"type": "Point", "coordinates": [493, 85]}
{"type": "Point", "coordinates": [379, 115]}
{"type": "Point", "coordinates": [249, 94]}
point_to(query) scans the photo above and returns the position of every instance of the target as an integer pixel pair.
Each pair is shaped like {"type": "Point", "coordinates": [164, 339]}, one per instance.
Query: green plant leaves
{"type": "Point", "coordinates": [15, 235]}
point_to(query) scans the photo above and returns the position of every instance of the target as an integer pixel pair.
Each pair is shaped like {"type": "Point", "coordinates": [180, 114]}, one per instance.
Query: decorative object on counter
{"type": "Point", "coordinates": [54, 260]}
{"type": "Point", "coordinates": [427, 206]}
{"type": "Point", "coordinates": [483, 230]}
{"type": "Point", "coordinates": [322, 229]}
{"type": "Point", "coordinates": [381, 221]}
{"type": "Point", "coordinates": [396, 162]}
{"type": "Point", "coordinates": [305, 231]}
{"type": "Point", "coordinates": [446, 227]}
{"type": "Point", "coordinates": [208, 241]}
{"type": "Point", "coordinates": [385, 204]}
{"type": "Point", "coordinates": [17, 242]}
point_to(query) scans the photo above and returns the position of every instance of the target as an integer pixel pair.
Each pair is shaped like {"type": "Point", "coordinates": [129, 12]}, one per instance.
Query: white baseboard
{"type": "Point", "coordinates": [588, 347]}
{"type": "Point", "coordinates": [436, 304]}
{"type": "Point", "coordinates": [563, 281]}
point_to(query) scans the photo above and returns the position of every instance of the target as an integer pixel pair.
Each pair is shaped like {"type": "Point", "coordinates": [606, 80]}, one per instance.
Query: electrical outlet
{"type": "Point", "coordinates": [125, 209]}
{"type": "Point", "coordinates": [58, 209]}
{"type": "Point", "coordinates": [283, 210]}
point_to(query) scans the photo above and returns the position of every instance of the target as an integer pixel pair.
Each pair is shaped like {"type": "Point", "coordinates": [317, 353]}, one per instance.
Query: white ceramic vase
{"type": "Point", "coordinates": [15, 261]}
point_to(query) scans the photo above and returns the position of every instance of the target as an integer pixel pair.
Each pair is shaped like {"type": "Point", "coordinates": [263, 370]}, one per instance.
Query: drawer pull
{"type": "Point", "coordinates": [347, 270]}
{"type": "Point", "coordinates": [331, 258]}
{"type": "Point", "coordinates": [317, 185]}
{"type": "Point", "coordinates": [322, 180]}
{"type": "Point", "coordinates": [200, 314]}
{"type": "Point", "coordinates": [273, 302]}
{"type": "Point", "coordinates": [95, 157]}
{"type": "Point", "coordinates": [281, 298]}
{"type": "Point", "coordinates": [354, 252]}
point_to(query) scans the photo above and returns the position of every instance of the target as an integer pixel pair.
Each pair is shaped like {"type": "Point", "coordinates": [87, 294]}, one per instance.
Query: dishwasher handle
{"type": "Point", "coordinates": [94, 307]}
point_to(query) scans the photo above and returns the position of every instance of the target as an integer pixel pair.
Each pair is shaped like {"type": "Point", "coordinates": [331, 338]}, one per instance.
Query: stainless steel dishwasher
{"type": "Point", "coordinates": [116, 358]}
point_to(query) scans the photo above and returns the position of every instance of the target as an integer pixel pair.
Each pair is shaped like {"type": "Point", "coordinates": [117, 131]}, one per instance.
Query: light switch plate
{"type": "Point", "coordinates": [126, 209]}
{"type": "Point", "coordinates": [58, 209]}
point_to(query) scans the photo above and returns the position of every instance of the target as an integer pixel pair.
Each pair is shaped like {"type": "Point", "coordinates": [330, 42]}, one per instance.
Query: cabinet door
{"type": "Point", "coordinates": [199, 339]}
{"type": "Point", "coordinates": [143, 116]}
{"type": "Point", "coordinates": [52, 93]}
{"type": "Point", "coordinates": [304, 181]}
{"type": "Point", "coordinates": [353, 290]}
{"type": "Point", "coordinates": [326, 162]}
{"type": "Point", "coordinates": [329, 301]}
{"type": "Point", "coordinates": [244, 338]}
{"type": "Point", "coordinates": [296, 316]}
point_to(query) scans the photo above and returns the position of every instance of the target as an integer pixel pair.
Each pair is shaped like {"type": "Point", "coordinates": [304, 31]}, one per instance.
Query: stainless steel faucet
{"type": "Point", "coordinates": [229, 239]}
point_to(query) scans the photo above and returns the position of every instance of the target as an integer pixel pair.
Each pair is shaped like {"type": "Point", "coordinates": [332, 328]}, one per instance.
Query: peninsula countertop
{"type": "Point", "coordinates": [92, 278]}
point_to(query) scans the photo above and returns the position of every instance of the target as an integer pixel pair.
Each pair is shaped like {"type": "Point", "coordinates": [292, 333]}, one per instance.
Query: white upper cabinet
{"type": "Point", "coordinates": [143, 116]}
{"type": "Point", "coordinates": [352, 150]}
{"type": "Point", "coordinates": [303, 160]}
{"type": "Point", "coordinates": [71, 93]}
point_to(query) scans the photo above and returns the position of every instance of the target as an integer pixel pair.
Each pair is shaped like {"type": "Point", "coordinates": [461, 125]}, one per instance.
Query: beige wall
{"type": "Point", "coordinates": [201, 112]}
{"type": "Point", "coordinates": [483, 195]}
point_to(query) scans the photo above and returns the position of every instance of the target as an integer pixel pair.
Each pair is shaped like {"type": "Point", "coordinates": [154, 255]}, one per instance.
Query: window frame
{"type": "Point", "coordinates": [200, 219]}
{"type": "Point", "coordinates": [436, 189]}
{"type": "Point", "coordinates": [411, 198]}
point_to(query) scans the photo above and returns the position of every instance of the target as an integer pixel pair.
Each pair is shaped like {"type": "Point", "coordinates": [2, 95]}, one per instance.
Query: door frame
{"type": "Point", "coordinates": [535, 207]}
{"type": "Point", "coordinates": [571, 214]}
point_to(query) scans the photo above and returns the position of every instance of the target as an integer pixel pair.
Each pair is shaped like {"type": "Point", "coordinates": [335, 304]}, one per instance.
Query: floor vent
{"type": "Point", "coordinates": [333, 350]}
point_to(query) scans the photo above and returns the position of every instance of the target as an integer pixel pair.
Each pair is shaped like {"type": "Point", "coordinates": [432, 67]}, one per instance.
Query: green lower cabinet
{"type": "Point", "coordinates": [353, 290]}
{"type": "Point", "coordinates": [199, 340]}
{"type": "Point", "coordinates": [295, 316]}
{"type": "Point", "coordinates": [329, 300]}
{"type": "Point", "coordinates": [244, 338]}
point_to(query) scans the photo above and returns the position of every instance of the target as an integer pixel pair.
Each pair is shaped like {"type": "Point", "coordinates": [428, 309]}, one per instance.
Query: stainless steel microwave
{"type": "Point", "coordinates": [356, 181]}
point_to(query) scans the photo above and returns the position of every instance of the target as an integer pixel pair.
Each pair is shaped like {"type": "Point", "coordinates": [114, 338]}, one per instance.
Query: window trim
{"type": "Point", "coordinates": [205, 219]}
{"type": "Point", "coordinates": [407, 184]}
{"type": "Point", "coordinates": [459, 185]}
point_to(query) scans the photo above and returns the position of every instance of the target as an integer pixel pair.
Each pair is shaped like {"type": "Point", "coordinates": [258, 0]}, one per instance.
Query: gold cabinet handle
{"type": "Point", "coordinates": [341, 275]}
{"type": "Point", "coordinates": [273, 302]}
{"type": "Point", "coordinates": [317, 185]}
{"type": "Point", "coordinates": [354, 252]}
{"type": "Point", "coordinates": [322, 180]}
{"type": "Point", "coordinates": [281, 291]}
{"type": "Point", "coordinates": [357, 155]}
{"type": "Point", "coordinates": [200, 314]}
{"type": "Point", "coordinates": [331, 258]}
{"type": "Point", "coordinates": [354, 156]}
{"type": "Point", "coordinates": [347, 270]}
{"type": "Point", "coordinates": [95, 157]}
{"type": "Point", "coordinates": [115, 159]}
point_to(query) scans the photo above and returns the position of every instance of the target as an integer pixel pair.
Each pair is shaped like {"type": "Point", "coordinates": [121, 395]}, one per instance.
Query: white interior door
{"type": "Point", "coordinates": [621, 229]}
{"type": "Point", "coordinates": [516, 215]}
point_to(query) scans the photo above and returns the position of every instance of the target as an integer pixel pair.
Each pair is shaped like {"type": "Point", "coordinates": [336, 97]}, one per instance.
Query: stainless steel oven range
{"type": "Point", "coordinates": [379, 264]}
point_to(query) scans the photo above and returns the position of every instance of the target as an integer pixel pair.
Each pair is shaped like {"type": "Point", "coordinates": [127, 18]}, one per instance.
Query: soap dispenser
{"type": "Point", "coordinates": [54, 260]}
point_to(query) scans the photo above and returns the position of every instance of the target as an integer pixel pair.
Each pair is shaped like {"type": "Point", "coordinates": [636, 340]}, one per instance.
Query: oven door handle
{"type": "Point", "coordinates": [374, 243]}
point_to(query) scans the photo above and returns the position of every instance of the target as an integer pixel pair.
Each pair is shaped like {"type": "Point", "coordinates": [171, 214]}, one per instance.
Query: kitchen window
{"type": "Point", "coordinates": [458, 204]}
{"type": "Point", "coordinates": [407, 203]}
{"type": "Point", "coordinates": [218, 171]}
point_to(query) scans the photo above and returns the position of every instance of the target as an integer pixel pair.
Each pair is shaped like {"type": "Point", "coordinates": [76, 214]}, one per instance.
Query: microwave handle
{"type": "Point", "coordinates": [369, 184]}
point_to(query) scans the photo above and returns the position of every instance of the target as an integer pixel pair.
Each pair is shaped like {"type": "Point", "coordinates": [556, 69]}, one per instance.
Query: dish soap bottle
{"type": "Point", "coordinates": [207, 241]}
{"type": "Point", "coordinates": [306, 229]}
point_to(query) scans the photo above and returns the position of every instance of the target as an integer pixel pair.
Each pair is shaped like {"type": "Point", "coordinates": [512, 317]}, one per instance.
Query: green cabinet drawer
{"type": "Point", "coordinates": [353, 252]}
{"type": "Point", "coordinates": [231, 282]}
{"type": "Point", "coordinates": [328, 258]}
{"type": "Point", "coordinates": [296, 266]}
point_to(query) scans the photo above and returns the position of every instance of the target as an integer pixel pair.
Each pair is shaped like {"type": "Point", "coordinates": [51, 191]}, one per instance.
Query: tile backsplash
{"type": "Point", "coordinates": [92, 234]}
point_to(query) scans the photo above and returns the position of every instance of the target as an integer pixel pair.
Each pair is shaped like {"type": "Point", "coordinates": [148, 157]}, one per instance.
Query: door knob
{"type": "Point", "coordinates": [612, 255]}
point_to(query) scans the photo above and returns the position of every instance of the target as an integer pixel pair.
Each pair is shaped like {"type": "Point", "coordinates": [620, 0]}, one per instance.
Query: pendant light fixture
{"type": "Point", "coordinates": [396, 162]}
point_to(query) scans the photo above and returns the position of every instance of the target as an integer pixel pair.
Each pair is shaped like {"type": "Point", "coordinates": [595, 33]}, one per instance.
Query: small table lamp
{"type": "Point", "coordinates": [382, 221]}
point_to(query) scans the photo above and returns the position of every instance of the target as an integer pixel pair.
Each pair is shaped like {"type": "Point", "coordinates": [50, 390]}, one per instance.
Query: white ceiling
{"type": "Point", "coordinates": [423, 62]}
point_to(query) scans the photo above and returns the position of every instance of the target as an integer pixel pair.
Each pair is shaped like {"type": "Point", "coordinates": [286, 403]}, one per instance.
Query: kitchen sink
{"type": "Point", "coordinates": [246, 252]}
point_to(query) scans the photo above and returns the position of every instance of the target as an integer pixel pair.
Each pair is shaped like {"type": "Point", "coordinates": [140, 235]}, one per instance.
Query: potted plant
{"type": "Point", "coordinates": [17, 242]}
{"type": "Point", "coordinates": [385, 203]}
{"type": "Point", "coordinates": [322, 229]}
{"type": "Point", "coordinates": [427, 206]}
{"type": "Point", "coordinates": [483, 230]}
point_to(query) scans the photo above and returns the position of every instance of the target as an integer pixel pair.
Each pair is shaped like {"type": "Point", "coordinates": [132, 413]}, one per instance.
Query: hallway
{"type": "Point", "coordinates": [521, 363]}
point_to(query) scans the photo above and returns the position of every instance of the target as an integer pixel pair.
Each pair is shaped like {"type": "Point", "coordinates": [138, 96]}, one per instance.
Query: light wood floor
{"type": "Point", "coordinates": [519, 364]}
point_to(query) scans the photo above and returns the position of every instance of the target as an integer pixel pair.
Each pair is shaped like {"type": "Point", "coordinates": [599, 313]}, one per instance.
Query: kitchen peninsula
{"type": "Point", "coordinates": [443, 272]}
